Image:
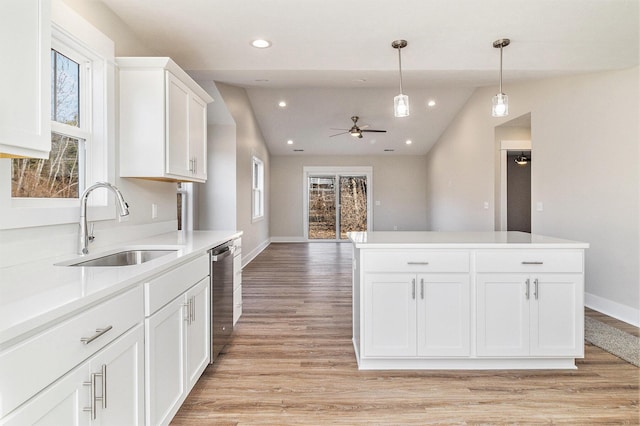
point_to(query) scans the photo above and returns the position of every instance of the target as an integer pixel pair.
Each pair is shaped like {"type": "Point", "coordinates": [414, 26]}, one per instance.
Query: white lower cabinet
{"type": "Point", "coordinates": [409, 315]}
{"type": "Point", "coordinates": [177, 351]}
{"type": "Point", "coordinates": [104, 390]}
{"type": "Point", "coordinates": [529, 315]}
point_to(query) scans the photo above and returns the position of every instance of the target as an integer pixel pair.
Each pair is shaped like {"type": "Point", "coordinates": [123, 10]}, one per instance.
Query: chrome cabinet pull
{"type": "Point", "coordinates": [92, 407]}
{"type": "Point", "coordinates": [187, 313]}
{"type": "Point", "coordinates": [94, 397]}
{"type": "Point", "coordinates": [99, 332]}
{"type": "Point", "coordinates": [535, 288]}
{"type": "Point", "coordinates": [413, 289]}
{"type": "Point", "coordinates": [417, 263]}
{"type": "Point", "coordinates": [422, 288]}
{"type": "Point", "coordinates": [526, 293]}
{"type": "Point", "coordinates": [193, 309]}
{"type": "Point", "coordinates": [524, 262]}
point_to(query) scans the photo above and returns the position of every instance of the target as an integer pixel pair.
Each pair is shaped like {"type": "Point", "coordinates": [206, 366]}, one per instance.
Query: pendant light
{"type": "Point", "coordinates": [522, 159]}
{"type": "Point", "coordinates": [500, 102]}
{"type": "Point", "coordinates": [400, 102]}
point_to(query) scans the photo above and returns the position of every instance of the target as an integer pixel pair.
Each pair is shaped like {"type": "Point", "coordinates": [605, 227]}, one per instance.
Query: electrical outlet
{"type": "Point", "coordinates": [395, 227]}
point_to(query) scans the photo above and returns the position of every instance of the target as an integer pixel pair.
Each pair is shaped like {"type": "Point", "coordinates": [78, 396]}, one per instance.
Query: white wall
{"type": "Point", "coordinates": [585, 142]}
{"type": "Point", "coordinates": [249, 142]}
{"type": "Point", "coordinates": [398, 183]}
{"type": "Point", "coordinates": [216, 199]}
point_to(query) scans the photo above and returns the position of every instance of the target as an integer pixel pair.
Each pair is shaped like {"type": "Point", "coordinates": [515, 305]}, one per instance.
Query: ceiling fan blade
{"type": "Point", "coordinates": [376, 131]}
{"type": "Point", "coordinates": [363, 127]}
{"type": "Point", "coordinates": [334, 128]}
{"type": "Point", "coordinates": [338, 134]}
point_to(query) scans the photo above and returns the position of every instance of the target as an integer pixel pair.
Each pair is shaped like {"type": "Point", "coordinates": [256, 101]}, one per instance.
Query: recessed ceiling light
{"type": "Point", "coordinates": [408, 142]}
{"type": "Point", "coordinates": [431, 103]}
{"type": "Point", "coordinates": [261, 44]}
{"type": "Point", "coordinates": [360, 80]}
{"type": "Point", "coordinates": [289, 142]}
{"type": "Point", "coordinates": [282, 104]}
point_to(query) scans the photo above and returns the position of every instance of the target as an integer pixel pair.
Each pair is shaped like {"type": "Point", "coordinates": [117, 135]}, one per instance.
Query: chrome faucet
{"type": "Point", "coordinates": [84, 235]}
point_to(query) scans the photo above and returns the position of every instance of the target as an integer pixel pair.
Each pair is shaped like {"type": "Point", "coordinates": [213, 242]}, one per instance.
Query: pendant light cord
{"type": "Point", "coordinates": [400, 67]}
{"type": "Point", "coordinates": [501, 69]}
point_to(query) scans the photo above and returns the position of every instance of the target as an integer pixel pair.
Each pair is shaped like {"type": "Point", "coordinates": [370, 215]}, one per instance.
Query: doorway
{"type": "Point", "coordinates": [519, 191]}
{"type": "Point", "coordinates": [337, 201]}
{"type": "Point", "coordinates": [515, 186]}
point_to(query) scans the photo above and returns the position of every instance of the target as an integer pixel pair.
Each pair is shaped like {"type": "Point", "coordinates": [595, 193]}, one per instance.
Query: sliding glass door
{"type": "Point", "coordinates": [336, 204]}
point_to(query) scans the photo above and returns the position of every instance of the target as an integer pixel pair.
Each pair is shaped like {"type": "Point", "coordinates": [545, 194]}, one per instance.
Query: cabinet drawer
{"type": "Point", "coordinates": [163, 289]}
{"type": "Point", "coordinates": [47, 356]}
{"type": "Point", "coordinates": [416, 261]}
{"type": "Point", "coordinates": [529, 261]}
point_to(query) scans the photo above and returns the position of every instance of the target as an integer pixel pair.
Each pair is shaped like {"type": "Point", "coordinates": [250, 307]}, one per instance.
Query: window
{"type": "Point", "coordinates": [258, 189]}
{"type": "Point", "coordinates": [62, 175]}
{"type": "Point", "coordinates": [45, 192]}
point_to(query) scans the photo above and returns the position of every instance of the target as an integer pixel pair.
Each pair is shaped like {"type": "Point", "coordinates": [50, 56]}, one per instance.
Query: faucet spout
{"type": "Point", "coordinates": [122, 206]}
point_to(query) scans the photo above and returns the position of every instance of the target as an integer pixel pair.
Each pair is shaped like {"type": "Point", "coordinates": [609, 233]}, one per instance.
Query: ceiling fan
{"type": "Point", "coordinates": [355, 130]}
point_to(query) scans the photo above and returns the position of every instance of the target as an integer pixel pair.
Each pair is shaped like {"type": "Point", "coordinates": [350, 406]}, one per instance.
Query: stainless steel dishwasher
{"type": "Point", "coordinates": [221, 297]}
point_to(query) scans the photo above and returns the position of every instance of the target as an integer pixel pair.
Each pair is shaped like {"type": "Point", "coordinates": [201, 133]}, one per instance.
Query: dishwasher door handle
{"type": "Point", "coordinates": [218, 256]}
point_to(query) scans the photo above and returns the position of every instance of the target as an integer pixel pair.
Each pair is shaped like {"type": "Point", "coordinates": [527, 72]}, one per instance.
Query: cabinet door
{"type": "Point", "coordinates": [198, 137]}
{"type": "Point", "coordinates": [164, 352]}
{"type": "Point", "coordinates": [177, 122]}
{"type": "Point", "coordinates": [443, 315]}
{"type": "Point", "coordinates": [60, 404]}
{"type": "Point", "coordinates": [502, 315]}
{"type": "Point", "coordinates": [389, 315]}
{"type": "Point", "coordinates": [123, 366]}
{"type": "Point", "coordinates": [557, 315]}
{"type": "Point", "coordinates": [25, 110]}
{"type": "Point", "coordinates": [198, 331]}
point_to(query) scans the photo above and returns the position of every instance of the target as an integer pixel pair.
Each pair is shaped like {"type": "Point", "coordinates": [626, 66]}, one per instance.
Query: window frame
{"type": "Point", "coordinates": [257, 188]}
{"type": "Point", "coordinates": [74, 37]}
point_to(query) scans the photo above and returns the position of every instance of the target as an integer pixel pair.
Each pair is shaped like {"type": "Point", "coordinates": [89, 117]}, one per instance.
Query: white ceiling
{"type": "Point", "coordinates": [323, 50]}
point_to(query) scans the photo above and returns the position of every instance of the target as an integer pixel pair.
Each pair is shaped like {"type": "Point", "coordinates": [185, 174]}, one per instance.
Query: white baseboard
{"type": "Point", "coordinates": [246, 259]}
{"type": "Point", "coordinates": [288, 240]}
{"type": "Point", "coordinates": [613, 309]}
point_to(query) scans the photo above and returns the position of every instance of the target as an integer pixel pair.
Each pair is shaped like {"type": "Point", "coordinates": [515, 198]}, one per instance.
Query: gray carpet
{"type": "Point", "coordinates": [619, 343]}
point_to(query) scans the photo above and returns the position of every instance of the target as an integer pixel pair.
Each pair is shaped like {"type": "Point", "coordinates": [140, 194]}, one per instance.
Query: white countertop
{"type": "Point", "coordinates": [424, 239]}
{"type": "Point", "coordinates": [34, 294]}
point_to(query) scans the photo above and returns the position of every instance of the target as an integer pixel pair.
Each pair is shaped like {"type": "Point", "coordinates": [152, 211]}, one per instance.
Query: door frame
{"type": "Point", "coordinates": [335, 171]}
{"type": "Point", "coordinates": [505, 147]}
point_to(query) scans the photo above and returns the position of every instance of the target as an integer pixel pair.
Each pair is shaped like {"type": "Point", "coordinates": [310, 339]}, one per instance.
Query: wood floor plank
{"type": "Point", "coordinates": [291, 361]}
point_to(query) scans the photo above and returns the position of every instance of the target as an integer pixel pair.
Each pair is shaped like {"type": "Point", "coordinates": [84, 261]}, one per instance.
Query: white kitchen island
{"type": "Point", "coordinates": [467, 300]}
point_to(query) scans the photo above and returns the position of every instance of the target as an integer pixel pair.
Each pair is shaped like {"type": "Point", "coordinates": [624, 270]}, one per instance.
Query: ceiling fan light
{"type": "Point", "coordinates": [500, 105]}
{"type": "Point", "coordinates": [401, 105]}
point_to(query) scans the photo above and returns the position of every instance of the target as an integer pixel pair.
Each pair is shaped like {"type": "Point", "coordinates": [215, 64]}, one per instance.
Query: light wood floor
{"type": "Point", "coordinates": [291, 361]}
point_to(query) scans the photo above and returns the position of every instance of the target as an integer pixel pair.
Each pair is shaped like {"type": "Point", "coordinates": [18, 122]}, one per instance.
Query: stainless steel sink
{"type": "Point", "coordinates": [125, 258]}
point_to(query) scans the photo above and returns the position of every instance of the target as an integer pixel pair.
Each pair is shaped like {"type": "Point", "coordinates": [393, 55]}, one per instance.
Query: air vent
{"type": "Point", "coordinates": [389, 150]}
{"type": "Point", "coordinates": [298, 150]}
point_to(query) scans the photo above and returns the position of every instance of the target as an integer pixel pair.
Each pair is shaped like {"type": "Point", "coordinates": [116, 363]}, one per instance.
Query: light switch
{"type": "Point", "coordinates": [377, 202]}
{"type": "Point", "coordinates": [154, 211]}
{"type": "Point", "coordinates": [539, 206]}
{"type": "Point", "coordinates": [486, 205]}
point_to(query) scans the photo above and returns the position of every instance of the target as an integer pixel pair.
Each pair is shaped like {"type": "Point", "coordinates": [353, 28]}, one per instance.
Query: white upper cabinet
{"type": "Point", "coordinates": [163, 121]}
{"type": "Point", "coordinates": [25, 110]}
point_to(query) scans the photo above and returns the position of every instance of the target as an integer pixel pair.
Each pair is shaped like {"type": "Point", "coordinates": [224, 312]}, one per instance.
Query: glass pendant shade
{"type": "Point", "coordinates": [500, 105]}
{"type": "Point", "coordinates": [401, 105]}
